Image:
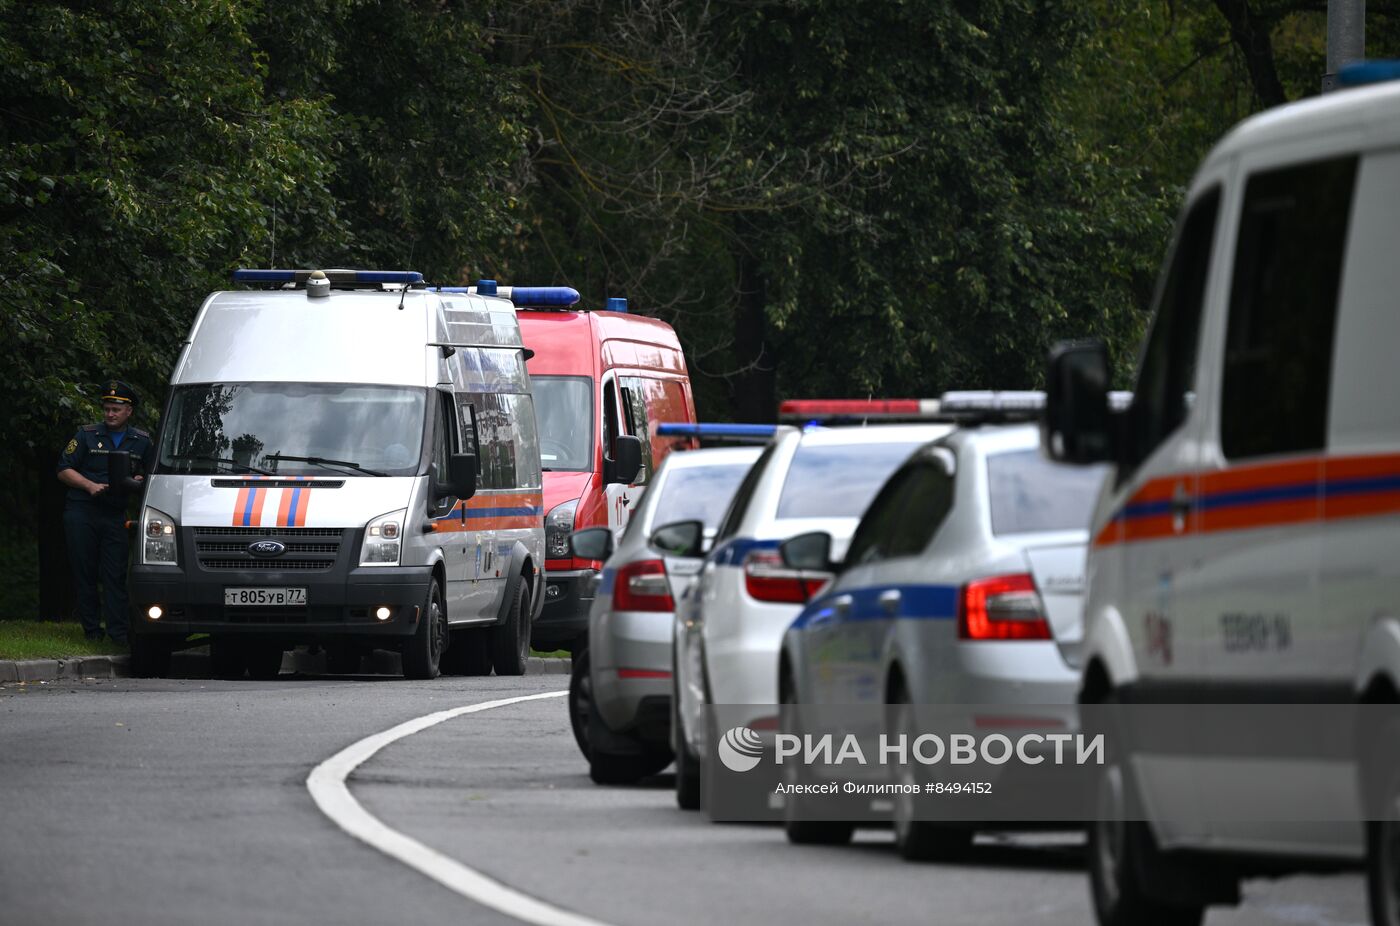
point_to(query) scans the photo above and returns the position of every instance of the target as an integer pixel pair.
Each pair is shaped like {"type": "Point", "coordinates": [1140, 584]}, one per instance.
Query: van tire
{"type": "Point", "coordinates": [1122, 854]}
{"type": "Point", "coordinates": [510, 640]}
{"type": "Point", "coordinates": [227, 658]}
{"type": "Point", "coordinates": [422, 653]}
{"type": "Point", "coordinates": [468, 653]}
{"type": "Point", "coordinates": [150, 656]}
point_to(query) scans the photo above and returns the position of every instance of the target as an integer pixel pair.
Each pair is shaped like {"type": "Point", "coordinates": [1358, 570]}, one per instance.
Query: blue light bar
{"type": "Point", "coordinates": [615, 304]}
{"type": "Point", "coordinates": [264, 276]}
{"type": "Point", "coordinates": [688, 429]}
{"type": "Point", "coordinates": [486, 287]}
{"type": "Point", "coordinates": [1368, 72]}
{"type": "Point", "coordinates": [460, 290]}
{"type": "Point", "coordinates": [541, 297]}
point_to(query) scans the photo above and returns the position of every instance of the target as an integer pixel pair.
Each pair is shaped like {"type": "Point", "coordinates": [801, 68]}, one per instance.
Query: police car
{"type": "Point", "coordinates": [620, 689]}
{"type": "Point", "coordinates": [1244, 548]}
{"type": "Point", "coordinates": [730, 627]}
{"type": "Point", "coordinates": [961, 585]}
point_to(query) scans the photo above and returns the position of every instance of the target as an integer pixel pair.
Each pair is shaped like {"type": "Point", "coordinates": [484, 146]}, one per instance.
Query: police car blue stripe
{"type": "Point", "coordinates": [732, 552]}
{"type": "Point", "coordinates": [606, 582]}
{"type": "Point", "coordinates": [916, 602]}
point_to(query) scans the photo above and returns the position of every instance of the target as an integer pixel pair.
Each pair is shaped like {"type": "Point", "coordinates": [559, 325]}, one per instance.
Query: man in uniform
{"type": "Point", "coordinates": [94, 518]}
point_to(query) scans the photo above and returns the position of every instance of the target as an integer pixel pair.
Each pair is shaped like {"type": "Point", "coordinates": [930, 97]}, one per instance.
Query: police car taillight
{"type": "Point", "coordinates": [1002, 608]}
{"type": "Point", "coordinates": [642, 586]}
{"type": "Point", "coordinates": [767, 579]}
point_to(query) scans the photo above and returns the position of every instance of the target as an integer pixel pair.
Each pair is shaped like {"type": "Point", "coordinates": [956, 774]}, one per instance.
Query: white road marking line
{"type": "Point", "coordinates": [328, 789]}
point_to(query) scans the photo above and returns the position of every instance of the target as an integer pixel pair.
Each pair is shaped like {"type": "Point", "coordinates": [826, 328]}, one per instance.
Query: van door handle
{"type": "Point", "coordinates": [1181, 507]}
{"type": "Point", "coordinates": [889, 601]}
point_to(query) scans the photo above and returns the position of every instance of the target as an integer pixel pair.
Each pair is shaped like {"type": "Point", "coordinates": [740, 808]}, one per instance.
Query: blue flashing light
{"type": "Point", "coordinates": [406, 277]}
{"type": "Point", "coordinates": [460, 290]}
{"type": "Point", "coordinates": [1369, 72]}
{"type": "Point", "coordinates": [264, 276]}
{"type": "Point", "coordinates": [615, 304]}
{"type": "Point", "coordinates": [543, 297]}
{"type": "Point", "coordinates": [486, 287]}
{"type": "Point", "coordinates": [688, 429]}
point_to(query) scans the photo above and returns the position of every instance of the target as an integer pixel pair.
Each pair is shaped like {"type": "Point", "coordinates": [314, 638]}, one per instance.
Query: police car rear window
{"type": "Point", "coordinates": [839, 481]}
{"type": "Point", "coordinates": [1029, 493]}
{"type": "Point", "coordinates": [698, 494]}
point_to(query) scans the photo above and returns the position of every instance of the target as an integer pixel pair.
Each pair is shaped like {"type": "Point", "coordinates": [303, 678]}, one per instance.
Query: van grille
{"type": "Point", "coordinates": [309, 549]}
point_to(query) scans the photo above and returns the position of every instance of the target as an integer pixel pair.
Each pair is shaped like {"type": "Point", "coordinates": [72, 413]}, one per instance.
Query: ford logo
{"type": "Point", "coordinates": [266, 549]}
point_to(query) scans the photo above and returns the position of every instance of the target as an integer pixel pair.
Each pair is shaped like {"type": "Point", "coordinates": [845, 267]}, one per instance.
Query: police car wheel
{"type": "Point", "coordinates": [580, 701]}
{"type": "Point", "coordinates": [1383, 862]}
{"type": "Point", "coordinates": [227, 658]}
{"type": "Point", "coordinates": [919, 840]}
{"type": "Point", "coordinates": [797, 809]}
{"type": "Point", "coordinates": [687, 766]}
{"type": "Point", "coordinates": [422, 652]}
{"type": "Point", "coordinates": [510, 641]}
{"type": "Point", "coordinates": [1119, 850]}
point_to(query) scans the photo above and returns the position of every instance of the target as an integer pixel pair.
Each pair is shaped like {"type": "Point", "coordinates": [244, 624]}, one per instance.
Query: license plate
{"type": "Point", "coordinates": [264, 597]}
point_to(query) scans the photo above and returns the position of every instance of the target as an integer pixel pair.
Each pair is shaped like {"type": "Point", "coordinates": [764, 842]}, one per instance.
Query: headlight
{"type": "Point", "coordinates": [157, 538]}
{"type": "Point", "coordinates": [382, 539]}
{"type": "Point", "coordinates": [557, 528]}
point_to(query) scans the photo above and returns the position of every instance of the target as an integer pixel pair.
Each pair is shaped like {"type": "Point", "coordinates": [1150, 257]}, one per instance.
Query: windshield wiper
{"type": "Point", "coordinates": [323, 461]}
{"type": "Point", "coordinates": [206, 458]}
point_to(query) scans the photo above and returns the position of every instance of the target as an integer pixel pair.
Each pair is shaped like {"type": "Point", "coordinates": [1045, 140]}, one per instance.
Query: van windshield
{"type": "Point", "coordinates": [1029, 493]}
{"type": "Point", "coordinates": [564, 410]}
{"type": "Point", "coordinates": [258, 427]}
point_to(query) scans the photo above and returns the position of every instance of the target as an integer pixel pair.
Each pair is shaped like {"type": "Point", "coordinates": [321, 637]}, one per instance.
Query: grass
{"type": "Point", "coordinates": [50, 640]}
{"type": "Point", "coordinates": [552, 654]}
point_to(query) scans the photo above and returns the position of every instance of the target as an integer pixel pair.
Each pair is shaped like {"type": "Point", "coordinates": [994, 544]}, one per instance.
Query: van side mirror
{"type": "Point", "coordinates": [461, 475]}
{"type": "Point", "coordinates": [594, 543]}
{"type": "Point", "coordinates": [627, 458]}
{"type": "Point", "coordinates": [1077, 426]}
{"type": "Point", "coordinates": [809, 552]}
{"type": "Point", "coordinates": [682, 538]}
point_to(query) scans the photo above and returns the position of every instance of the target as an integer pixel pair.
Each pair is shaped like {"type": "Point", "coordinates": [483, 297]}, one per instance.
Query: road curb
{"type": "Point", "coordinates": [195, 664]}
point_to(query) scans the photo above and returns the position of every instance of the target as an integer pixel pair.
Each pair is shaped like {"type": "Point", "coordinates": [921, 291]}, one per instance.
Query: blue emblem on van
{"type": "Point", "coordinates": [266, 549]}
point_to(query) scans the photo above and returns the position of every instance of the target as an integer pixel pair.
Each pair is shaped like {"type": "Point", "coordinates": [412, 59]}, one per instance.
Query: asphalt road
{"type": "Point", "coordinates": [156, 802]}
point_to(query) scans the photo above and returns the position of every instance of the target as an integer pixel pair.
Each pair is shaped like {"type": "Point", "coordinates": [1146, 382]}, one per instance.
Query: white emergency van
{"type": "Point", "coordinates": [348, 460]}
{"type": "Point", "coordinates": [1245, 546]}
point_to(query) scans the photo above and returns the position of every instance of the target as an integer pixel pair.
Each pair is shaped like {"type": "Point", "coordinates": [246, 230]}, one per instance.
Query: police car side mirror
{"type": "Point", "coordinates": [627, 459]}
{"type": "Point", "coordinates": [1077, 426]}
{"type": "Point", "coordinates": [682, 538]}
{"type": "Point", "coordinates": [461, 475]}
{"type": "Point", "coordinates": [810, 552]}
{"type": "Point", "coordinates": [595, 543]}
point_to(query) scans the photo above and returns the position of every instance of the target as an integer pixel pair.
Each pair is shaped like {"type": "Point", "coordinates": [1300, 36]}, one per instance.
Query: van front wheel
{"type": "Point", "coordinates": [422, 654]}
{"type": "Point", "coordinates": [510, 640]}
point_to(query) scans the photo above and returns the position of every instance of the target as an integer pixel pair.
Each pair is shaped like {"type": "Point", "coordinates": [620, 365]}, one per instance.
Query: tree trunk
{"type": "Point", "coordinates": [754, 386]}
{"type": "Point", "coordinates": [1251, 36]}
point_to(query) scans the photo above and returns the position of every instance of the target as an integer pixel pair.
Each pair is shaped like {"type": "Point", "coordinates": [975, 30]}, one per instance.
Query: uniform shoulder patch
{"type": "Point", "coordinates": [140, 433]}
{"type": "Point", "coordinates": [72, 446]}
{"type": "Point", "coordinates": [90, 427]}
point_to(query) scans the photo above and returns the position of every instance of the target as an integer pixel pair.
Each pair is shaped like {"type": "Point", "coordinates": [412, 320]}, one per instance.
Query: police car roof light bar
{"type": "Point", "coordinates": [716, 430]}
{"type": "Point", "coordinates": [826, 410]}
{"type": "Point", "coordinates": [540, 297]}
